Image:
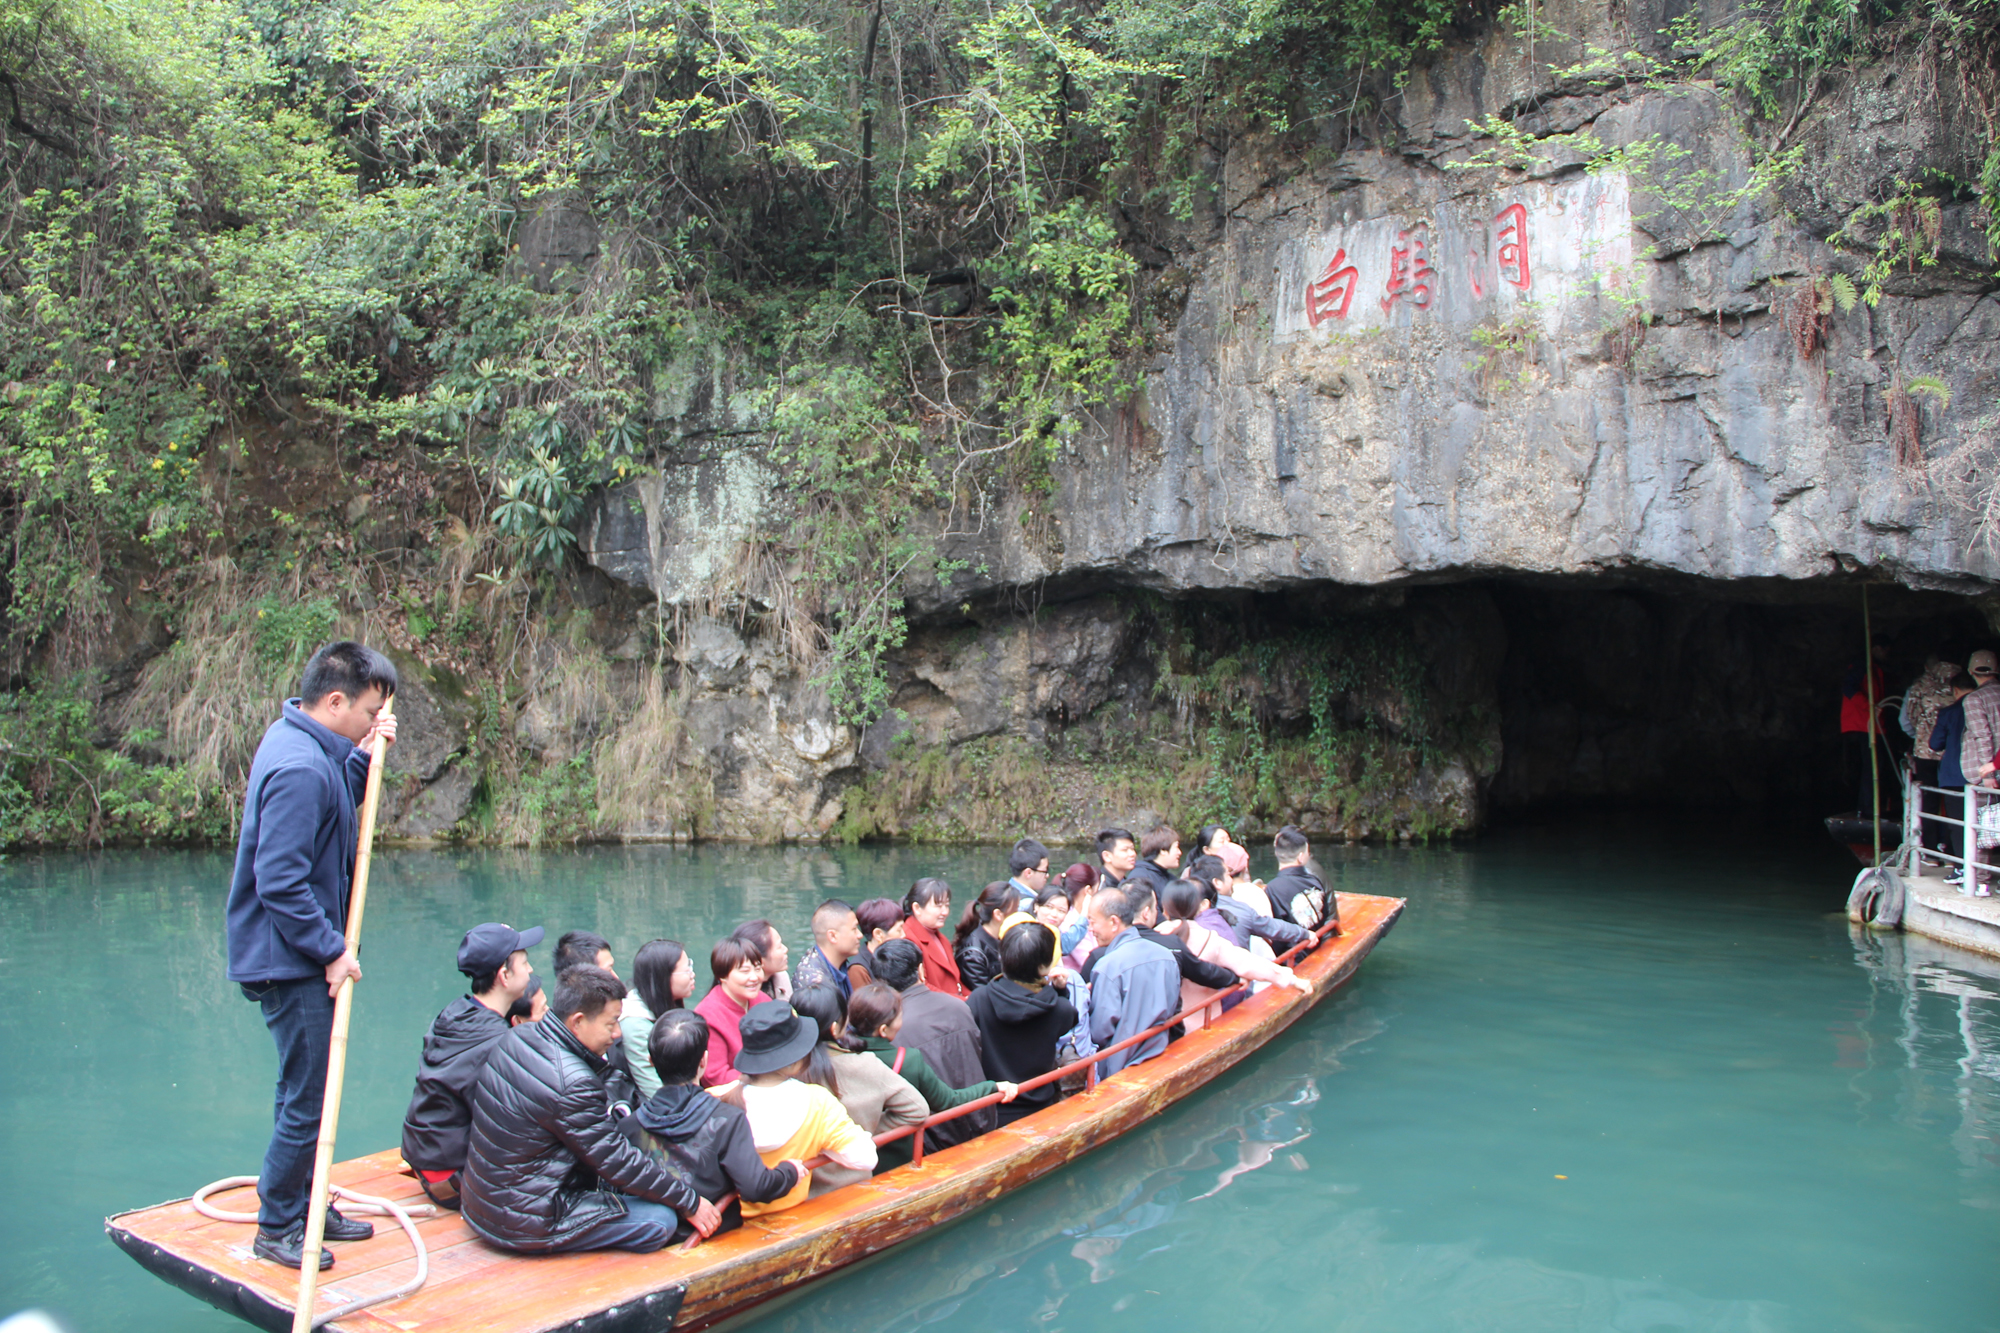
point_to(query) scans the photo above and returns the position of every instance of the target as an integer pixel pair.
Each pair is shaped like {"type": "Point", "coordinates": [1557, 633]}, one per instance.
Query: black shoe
{"type": "Point", "coordinates": [283, 1247]}
{"type": "Point", "coordinates": [345, 1228]}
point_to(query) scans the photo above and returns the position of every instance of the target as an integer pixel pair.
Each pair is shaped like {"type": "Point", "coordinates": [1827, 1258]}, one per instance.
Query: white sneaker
{"type": "Point", "coordinates": [1955, 877]}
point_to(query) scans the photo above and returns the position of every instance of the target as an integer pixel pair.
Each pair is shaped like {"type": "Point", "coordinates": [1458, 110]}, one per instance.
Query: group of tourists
{"type": "Point", "coordinates": [1950, 719]}
{"type": "Point", "coordinates": [597, 1114]}
{"type": "Point", "coordinates": [631, 1116]}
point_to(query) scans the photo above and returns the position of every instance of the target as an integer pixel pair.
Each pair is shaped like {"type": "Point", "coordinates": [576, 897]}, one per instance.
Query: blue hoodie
{"type": "Point", "coordinates": [295, 854]}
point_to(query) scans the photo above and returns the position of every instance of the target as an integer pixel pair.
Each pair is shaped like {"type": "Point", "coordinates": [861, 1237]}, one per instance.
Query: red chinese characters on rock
{"type": "Point", "coordinates": [1410, 271]}
{"type": "Point", "coordinates": [1330, 295]}
{"type": "Point", "coordinates": [1412, 274]}
{"type": "Point", "coordinates": [1513, 231]}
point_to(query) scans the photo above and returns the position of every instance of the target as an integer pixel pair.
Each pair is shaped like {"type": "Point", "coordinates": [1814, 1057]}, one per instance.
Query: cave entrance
{"type": "Point", "coordinates": [1697, 696]}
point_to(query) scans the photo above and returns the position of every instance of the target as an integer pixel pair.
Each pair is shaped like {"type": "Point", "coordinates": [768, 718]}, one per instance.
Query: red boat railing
{"type": "Point", "coordinates": [1088, 1063]}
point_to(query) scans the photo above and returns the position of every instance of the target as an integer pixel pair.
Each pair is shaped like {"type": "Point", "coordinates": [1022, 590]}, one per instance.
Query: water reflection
{"type": "Point", "coordinates": [1943, 1006]}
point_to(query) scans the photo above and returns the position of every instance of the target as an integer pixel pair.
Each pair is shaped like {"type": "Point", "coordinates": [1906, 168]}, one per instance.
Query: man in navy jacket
{"type": "Point", "coordinates": [288, 912]}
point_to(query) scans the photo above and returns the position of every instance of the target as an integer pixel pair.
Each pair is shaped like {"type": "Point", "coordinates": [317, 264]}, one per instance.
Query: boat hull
{"type": "Point", "coordinates": [474, 1286]}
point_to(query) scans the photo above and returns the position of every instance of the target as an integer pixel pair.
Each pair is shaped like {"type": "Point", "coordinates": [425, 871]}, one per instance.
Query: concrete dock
{"type": "Point", "coordinates": [1937, 909]}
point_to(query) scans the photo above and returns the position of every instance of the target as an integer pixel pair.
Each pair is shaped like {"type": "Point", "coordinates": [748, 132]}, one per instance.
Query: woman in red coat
{"type": "Point", "coordinates": [926, 908]}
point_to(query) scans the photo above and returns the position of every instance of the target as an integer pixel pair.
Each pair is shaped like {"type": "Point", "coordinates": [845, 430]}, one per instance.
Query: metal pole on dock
{"type": "Point", "coordinates": [1874, 761]}
{"type": "Point", "coordinates": [336, 1064]}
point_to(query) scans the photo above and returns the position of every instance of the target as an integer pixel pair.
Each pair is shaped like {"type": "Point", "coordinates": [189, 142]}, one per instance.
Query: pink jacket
{"type": "Point", "coordinates": [725, 1036]}
{"type": "Point", "coordinates": [1211, 947]}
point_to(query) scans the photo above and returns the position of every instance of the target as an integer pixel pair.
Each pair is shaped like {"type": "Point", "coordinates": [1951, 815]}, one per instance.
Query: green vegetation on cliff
{"type": "Point", "coordinates": [341, 306]}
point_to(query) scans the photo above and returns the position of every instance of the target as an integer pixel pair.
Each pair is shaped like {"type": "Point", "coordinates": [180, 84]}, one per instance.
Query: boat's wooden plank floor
{"type": "Point", "coordinates": [473, 1286]}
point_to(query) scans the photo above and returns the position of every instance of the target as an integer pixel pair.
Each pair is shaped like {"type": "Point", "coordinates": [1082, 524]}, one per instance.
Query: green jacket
{"type": "Point", "coordinates": [937, 1094]}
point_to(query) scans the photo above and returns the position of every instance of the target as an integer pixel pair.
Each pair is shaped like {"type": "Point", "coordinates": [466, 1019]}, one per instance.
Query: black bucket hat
{"type": "Point", "coordinates": [773, 1037]}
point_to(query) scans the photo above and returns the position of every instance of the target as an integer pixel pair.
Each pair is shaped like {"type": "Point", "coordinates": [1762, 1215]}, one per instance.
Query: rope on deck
{"type": "Point", "coordinates": [360, 1204]}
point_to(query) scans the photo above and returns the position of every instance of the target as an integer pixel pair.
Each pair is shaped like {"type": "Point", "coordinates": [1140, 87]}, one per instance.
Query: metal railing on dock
{"type": "Point", "coordinates": [1958, 812]}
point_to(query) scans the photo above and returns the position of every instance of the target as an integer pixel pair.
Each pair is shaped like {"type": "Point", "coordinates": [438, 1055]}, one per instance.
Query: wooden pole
{"type": "Point", "coordinates": [1874, 760]}
{"type": "Point", "coordinates": [336, 1062]}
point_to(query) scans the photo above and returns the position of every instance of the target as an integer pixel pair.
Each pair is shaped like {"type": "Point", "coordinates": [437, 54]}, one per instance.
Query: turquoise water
{"type": "Point", "coordinates": [1588, 1083]}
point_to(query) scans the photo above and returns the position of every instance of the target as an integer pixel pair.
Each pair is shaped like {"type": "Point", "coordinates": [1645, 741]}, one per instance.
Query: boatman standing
{"type": "Point", "coordinates": [288, 912]}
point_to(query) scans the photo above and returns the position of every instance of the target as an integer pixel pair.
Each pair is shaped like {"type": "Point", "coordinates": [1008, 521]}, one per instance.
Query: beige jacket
{"type": "Point", "coordinates": [877, 1099]}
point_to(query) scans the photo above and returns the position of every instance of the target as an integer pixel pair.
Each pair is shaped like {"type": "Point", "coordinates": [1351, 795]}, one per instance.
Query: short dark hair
{"type": "Point", "coordinates": [1207, 834]}
{"type": "Point", "coordinates": [1289, 843]}
{"type": "Point", "coordinates": [1205, 869]}
{"type": "Point", "coordinates": [479, 985]}
{"type": "Point", "coordinates": [1026, 950]}
{"type": "Point", "coordinates": [1114, 901]}
{"type": "Point", "coordinates": [678, 1045]}
{"type": "Point", "coordinates": [898, 963]}
{"type": "Point", "coordinates": [1963, 680]}
{"type": "Point", "coordinates": [585, 990]}
{"type": "Point", "coordinates": [1054, 889]}
{"type": "Point", "coordinates": [731, 953]}
{"type": "Point", "coordinates": [830, 912]}
{"type": "Point", "coordinates": [1109, 838]}
{"type": "Point", "coordinates": [348, 667]}
{"type": "Point", "coordinates": [579, 948]}
{"type": "Point", "coordinates": [653, 973]}
{"type": "Point", "coordinates": [523, 1009]}
{"type": "Point", "coordinates": [1158, 839]}
{"type": "Point", "coordinates": [1027, 854]}
{"type": "Point", "coordinates": [878, 914]}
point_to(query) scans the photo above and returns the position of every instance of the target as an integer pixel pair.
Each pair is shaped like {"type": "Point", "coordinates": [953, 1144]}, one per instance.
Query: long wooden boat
{"type": "Point", "coordinates": [473, 1286]}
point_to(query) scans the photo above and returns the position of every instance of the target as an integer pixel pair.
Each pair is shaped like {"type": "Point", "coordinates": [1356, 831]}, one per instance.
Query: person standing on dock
{"type": "Point", "coordinates": [287, 913]}
{"type": "Point", "coordinates": [1976, 754]}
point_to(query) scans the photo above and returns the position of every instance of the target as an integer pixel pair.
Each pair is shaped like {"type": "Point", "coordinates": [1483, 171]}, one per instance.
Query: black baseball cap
{"type": "Point", "coordinates": [486, 948]}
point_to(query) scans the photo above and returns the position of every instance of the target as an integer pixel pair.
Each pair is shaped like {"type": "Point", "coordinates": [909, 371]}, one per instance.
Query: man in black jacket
{"type": "Point", "coordinates": [1159, 859]}
{"type": "Point", "coordinates": [1022, 1018]}
{"type": "Point", "coordinates": [548, 1171]}
{"type": "Point", "coordinates": [495, 957]}
{"type": "Point", "coordinates": [1297, 894]}
{"type": "Point", "coordinates": [701, 1138]}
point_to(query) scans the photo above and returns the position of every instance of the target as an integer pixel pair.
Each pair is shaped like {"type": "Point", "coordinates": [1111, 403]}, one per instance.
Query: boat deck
{"type": "Point", "coordinates": [474, 1286]}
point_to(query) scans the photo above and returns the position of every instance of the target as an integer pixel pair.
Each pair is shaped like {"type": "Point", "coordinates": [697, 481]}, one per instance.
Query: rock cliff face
{"type": "Point", "coordinates": [1391, 372]}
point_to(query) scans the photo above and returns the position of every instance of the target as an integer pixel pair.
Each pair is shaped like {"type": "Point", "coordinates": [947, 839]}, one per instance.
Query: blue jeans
{"type": "Point", "coordinates": [299, 1014]}
{"type": "Point", "coordinates": [646, 1226]}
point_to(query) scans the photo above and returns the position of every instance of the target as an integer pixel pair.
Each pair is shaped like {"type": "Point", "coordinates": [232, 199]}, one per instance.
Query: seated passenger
{"type": "Point", "coordinates": [875, 1025]}
{"type": "Point", "coordinates": [738, 969]}
{"type": "Point", "coordinates": [1185, 900]}
{"type": "Point", "coordinates": [836, 938]}
{"type": "Point", "coordinates": [941, 1027]}
{"type": "Point", "coordinates": [881, 920]}
{"type": "Point", "coordinates": [1022, 1018]}
{"type": "Point", "coordinates": [874, 1096]}
{"type": "Point", "coordinates": [662, 980]}
{"type": "Point", "coordinates": [1051, 909]}
{"type": "Point", "coordinates": [534, 1002]}
{"type": "Point", "coordinates": [703, 1139]}
{"type": "Point", "coordinates": [583, 948]}
{"type": "Point", "coordinates": [547, 1170]}
{"type": "Point", "coordinates": [1028, 864]}
{"type": "Point", "coordinates": [494, 957]}
{"type": "Point", "coordinates": [926, 908]}
{"type": "Point", "coordinates": [1135, 983]}
{"type": "Point", "coordinates": [764, 938]}
{"type": "Point", "coordinates": [1243, 902]}
{"type": "Point", "coordinates": [1297, 894]}
{"type": "Point", "coordinates": [790, 1120]}
{"type": "Point", "coordinates": [977, 948]}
